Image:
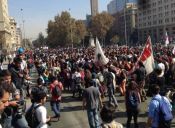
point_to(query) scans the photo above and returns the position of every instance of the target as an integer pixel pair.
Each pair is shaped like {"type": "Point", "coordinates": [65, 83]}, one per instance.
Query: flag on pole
{"type": "Point", "coordinates": [173, 51]}
{"type": "Point", "coordinates": [166, 39]}
{"type": "Point", "coordinates": [99, 54]}
{"type": "Point", "coordinates": [147, 56]}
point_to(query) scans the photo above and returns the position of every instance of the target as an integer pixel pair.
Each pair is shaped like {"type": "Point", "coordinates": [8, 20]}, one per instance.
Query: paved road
{"type": "Point", "coordinates": [72, 115]}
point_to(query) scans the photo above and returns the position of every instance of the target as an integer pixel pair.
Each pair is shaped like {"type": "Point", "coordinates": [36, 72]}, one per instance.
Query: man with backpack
{"type": "Point", "coordinates": [160, 110]}
{"type": "Point", "coordinates": [56, 88]}
{"type": "Point", "coordinates": [36, 115]}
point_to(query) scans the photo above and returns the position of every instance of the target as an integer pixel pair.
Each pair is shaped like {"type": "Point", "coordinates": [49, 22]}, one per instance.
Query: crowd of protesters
{"type": "Point", "coordinates": [75, 71]}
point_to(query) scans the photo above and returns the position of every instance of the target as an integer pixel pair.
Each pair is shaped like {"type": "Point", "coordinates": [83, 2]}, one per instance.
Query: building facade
{"type": "Point", "coordinates": [13, 29]}
{"type": "Point", "coordinates": [155, 17]}
{"type": "Point", "coordinates": [18, 37]}
{"type": "Point", "coordinates": [121, 4]}
{"type": "Point", "coordinates": [131, 23]}
{"type": "Point", "coordinates": [94, 7]}
{"type": "Point", "coordinates": [5, 33]}
{"type": "Point", "coordinates": [112, 7]}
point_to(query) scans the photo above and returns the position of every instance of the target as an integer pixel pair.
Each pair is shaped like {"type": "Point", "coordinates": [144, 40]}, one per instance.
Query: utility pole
{"type": "Point", "coordinates": [126, 39]}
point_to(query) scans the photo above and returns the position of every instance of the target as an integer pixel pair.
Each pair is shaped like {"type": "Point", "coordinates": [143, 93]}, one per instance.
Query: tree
{"type": "Point", "coordinates": [115, 39]}
{"type": "Point", "coordinates": [80, 31]}
{"type": "Point", "coordinates": [101, 24]}
{"type": "Point", "coordinates": [65, 30]}
{"type": "Point", "coordinates": [60, 30]}
{"type": "Point", "coordinates": [40, 41]}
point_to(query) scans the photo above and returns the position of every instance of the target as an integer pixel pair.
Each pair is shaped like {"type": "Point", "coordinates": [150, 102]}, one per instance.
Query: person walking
{"type": "Point", "coordinates": [92, 100]}
{"type": "Point", "coordinates": [159, 104]}
{"type": "Point", "coordinates": [132, 103]}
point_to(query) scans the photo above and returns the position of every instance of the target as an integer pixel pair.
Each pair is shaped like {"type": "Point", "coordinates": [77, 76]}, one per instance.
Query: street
{"type": "Point", "coordinates": [73, 116]}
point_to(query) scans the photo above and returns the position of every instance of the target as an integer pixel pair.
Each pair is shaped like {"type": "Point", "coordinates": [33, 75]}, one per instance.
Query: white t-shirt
{"type": "Point", "coordinates": [23, 64]}
{"type": "Point", "coordinates": [41, 113]}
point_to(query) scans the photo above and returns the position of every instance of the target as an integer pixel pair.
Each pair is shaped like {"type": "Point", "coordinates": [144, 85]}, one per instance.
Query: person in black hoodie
{"type": "Point", "coordinates": [17, 75]}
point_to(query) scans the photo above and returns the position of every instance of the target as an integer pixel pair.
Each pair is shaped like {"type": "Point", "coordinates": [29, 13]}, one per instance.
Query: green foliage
{"type": "Point", "coordinates": [115, 39]}
{"type": "Point", "coordinates": [101, 24]}
{"type": "Point", "coordinates": [65, 30]}
{"type": "Point", "coordinates": [40, 41]}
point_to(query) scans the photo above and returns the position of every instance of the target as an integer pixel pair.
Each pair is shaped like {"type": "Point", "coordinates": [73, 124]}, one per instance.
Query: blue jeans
{"type": "Point", "coordinates": [8, 122]}
{"type": "Point", "coordinates": [55, 105]}
{"type": "Point", "coordinates": [93, 118]}
{"type": "Point", "coordinates": [20, 122]}
{"type": "Point", "coordinates": [111, 95]}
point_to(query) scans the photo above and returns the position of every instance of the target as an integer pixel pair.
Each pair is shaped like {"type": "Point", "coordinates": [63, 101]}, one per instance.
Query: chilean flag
{"type": "Point", "coordinates": [166, 39]}
{"type": "Point", "coordinates": [147, 56]}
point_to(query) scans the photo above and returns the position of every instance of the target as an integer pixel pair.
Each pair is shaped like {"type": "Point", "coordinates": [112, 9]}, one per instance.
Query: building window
{"type": "Point", "coordinates": [155, 22]}
{"type": "Point", "coordinates": [160, 8]}
{"type": "Point", "coordinates": [166, 13]}
{"type": "Point", "coordinates": [160, 21]}
{"type": "Point", "coordinates": [160, 14]}
{"type": "Point", "coordinates": [167, 20]}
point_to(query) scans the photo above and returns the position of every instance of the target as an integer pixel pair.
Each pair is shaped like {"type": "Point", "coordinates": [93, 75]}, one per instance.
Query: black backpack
{"type": "Point", "coordinates": [133, 99]}
{"type": "Point", "coordinates": [31, 116]}
{"type": "Point", "coordinates": [77, 80]}
{"type": "Point", "coordinates": [56, 91]}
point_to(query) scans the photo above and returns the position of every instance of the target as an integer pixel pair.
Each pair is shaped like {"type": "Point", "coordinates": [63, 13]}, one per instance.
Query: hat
{"type": "Point", "coordinates": [20, 51]}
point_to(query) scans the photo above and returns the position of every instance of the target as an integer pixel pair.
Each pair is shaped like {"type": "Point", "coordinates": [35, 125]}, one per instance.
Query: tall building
{"type": "Point", "coordinates": [18, 36]}
{"type": "Point", "coordinates": [154, 18]}
{"type": "Point", "coordinates": [121, 4]}
{"type": "Point", "coordinates": [5, 33]}
{"type": "Point", "coordinates": [131, 23]}
{"type": "Point", "coordinates": [112, 7]}
{"type": "Point", "coordinates": [13, 23]}
{"type": "Point", "coordinates": [118, 5]}
{"type": "Point", "coordinates": [94, 7]}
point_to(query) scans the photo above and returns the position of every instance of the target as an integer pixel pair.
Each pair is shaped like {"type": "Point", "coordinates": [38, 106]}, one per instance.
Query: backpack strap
{"type": "Point", "coordinates": [37, 106]}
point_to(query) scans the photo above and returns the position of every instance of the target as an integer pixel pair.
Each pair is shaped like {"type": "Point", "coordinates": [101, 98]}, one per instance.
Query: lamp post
{"type": "Point", "coordinates": [23, 21]}
{"type": "Point", "coordinates": [71, 29]}
{"type": "Point", "coordinates": [126, 40]}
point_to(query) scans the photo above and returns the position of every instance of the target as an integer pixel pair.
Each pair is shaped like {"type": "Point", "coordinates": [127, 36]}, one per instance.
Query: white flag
{"type": "Point", "coordinates": [166, 39]}
{"type": "Point", "coordinates": [173, 51]}
{"type": "Point", "coordinates": [99, 54]}
{"type": "Point", "coordinates": [91, 42]}
{"type": "Point", "coordinates": [147, 56]}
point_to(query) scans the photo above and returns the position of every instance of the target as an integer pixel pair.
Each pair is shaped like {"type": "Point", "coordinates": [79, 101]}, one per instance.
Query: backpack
{"type": "Point", "coordinates": [31, 116]}
{"type": "Point", "coordinates": [133, 99]}
{"type": "Point", "coordinates": [56, 91]}
{"type": "Point", "coordinates": [77, 80]}
{"type": "Point", "coordinates": [165, 114]}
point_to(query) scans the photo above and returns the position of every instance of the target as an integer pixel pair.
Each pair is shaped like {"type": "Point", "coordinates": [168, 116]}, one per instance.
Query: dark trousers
{"type": "Point", "coordinates": [166, 124]}
{"type": "Point", "coordinates": [132, 113]}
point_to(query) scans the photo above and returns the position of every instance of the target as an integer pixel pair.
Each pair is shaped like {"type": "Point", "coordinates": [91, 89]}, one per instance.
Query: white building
{"type": "Point", "coordinates": [154, 18]}
{"type": "Point", "coordinates": [13, 34]}
{"type": "Point", "coordinates": [18, 36]}
{"type": "Point", "coordinates": [5, 33]}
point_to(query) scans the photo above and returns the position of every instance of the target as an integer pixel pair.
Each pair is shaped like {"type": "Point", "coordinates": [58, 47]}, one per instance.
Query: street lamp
{"type": "Point", "coordinates": [126, 40]}
{"type": "Point", "coordinates": [71, 28]}
{"type": "Point", "coordinates": [23, 21]}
